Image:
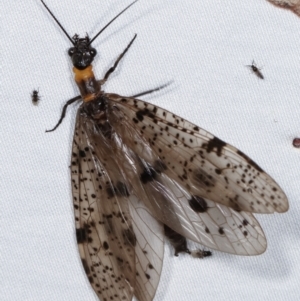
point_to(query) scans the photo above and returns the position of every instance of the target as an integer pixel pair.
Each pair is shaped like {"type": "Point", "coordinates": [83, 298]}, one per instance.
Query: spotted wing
{"type": "Point", "coordinates": [193, 182]}
{"type": "Point", "coordinates": [200, 162]}
{"type": "Point", "coordinates": [293, 5]}
{"type": "Point", "coordinates": [120, 243]}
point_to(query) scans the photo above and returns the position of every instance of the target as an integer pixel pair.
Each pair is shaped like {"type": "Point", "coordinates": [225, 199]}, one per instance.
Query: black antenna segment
{"type": "Point", "coordinates": [94, 38]}
{"type": "Point", "coordinates": [48, 9]}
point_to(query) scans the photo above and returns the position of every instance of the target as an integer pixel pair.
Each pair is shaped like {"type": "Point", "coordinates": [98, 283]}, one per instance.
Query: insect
{"type": "Point", "coordinates": [201, 253]}
{"type": "Point", "coordinates": [293, 5]}
{"type": "Point", "coordinates": [255, 70]}
{"type": "Point", "coordinates": [140, 175]}
{"type": "Point", "coordinates": [35, 97]}
{"type": "Point", "coordinates": [296, 142]}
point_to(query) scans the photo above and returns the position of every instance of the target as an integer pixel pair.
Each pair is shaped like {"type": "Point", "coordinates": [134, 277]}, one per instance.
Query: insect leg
{"type": "Point", "coordinates": [63, 113]}
{"type": "Point", "coordinates": [152, 90]}
{"type": "Point", "coordinates": [112, 69]}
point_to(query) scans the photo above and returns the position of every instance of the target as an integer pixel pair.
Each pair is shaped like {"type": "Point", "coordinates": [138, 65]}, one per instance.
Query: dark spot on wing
{"type": "Point", "coordinates": [85, 266]}
{"type": "Point", "coordinates": [139, 115]}
{"type": "Point", "coordinates": [110, 190]}
{"type": "Point", "coordinates": [82, 153]}
{"type": "Point", "coordinates": [203, 178]}
{"type": "Point", "coordinates": [198, 204]}
{"type": "Point", "coordinates": [120, 190]}
{"type": "Point", "coordinates": [148, 175]}
{"type": "Point", "coordinates": [249, 161]}
{"type": "Point", "coordinates": [105, 245]}
{"type": "Point", "coordinates": [214, 144]}
{"type": "Point", "coordinates": [245, 222]}
{"type": "Point", "coordinates": [81, 235]}
{"type": "Point", "coordinates": [221, 230]}
{"type": "Point", "coordinates": [145, 112]}
{"type": "Point", "coordinates": [159, 166]}
{"type": "Point", "coordinates": [218, 171]}
{"type": "Point", "coordinates": [120, 260]}
{"type": "Point", "coordinates": [129, 237]}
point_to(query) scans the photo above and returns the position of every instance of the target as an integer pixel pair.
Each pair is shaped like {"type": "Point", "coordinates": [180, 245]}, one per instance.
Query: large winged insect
{"type": "Point", "coordinates": [140, 174]}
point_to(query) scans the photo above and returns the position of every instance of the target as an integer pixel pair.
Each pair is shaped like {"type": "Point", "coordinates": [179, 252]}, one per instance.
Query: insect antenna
{"type": "Point", "coordinates": [93, 39]}
{"type": "Point", "coordinates": [107, 73]}
{"type": "Point", "coordinates": [63, 113]}
{"type": "Point", "coordinates": [96, 36]}
{"type": "Point", "coordinates": [58, 23]}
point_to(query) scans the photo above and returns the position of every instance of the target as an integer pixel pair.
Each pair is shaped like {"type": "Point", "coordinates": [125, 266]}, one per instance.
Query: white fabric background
{"type": "Point", "coordinates": [203, 46]}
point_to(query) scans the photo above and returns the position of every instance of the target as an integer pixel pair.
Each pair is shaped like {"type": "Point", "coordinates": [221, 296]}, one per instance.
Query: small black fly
{"type": "Point", "coordinates": [35, 97]}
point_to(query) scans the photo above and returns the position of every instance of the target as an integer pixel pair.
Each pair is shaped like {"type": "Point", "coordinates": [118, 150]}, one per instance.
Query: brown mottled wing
{"type": "Point", "coordinates": [200, 162]}
{"type": "Point", "coordinates": [198, 219]}
{"type": "Point", "coordinates": [293, 5]}
{"type": "Point", "coordinates": [120, 244]}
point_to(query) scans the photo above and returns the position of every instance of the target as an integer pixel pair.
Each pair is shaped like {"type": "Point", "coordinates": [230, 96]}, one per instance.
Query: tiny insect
{"type": "Point", "coordinates": [293, 5]}
{"type": "Point", "coordinates": [140, 175]}
{"type": "Point", "coordinates": [35, 97]}
{"type": "Point", "coordinates": [201, 253]}
{"type": "Point", "coordinates": [296, 142]}
{"type": "Point", "coordinates": [255, 70]}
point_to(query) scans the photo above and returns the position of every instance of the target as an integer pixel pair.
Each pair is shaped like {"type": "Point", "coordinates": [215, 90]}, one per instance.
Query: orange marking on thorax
{"type": "Point", "coordinates": [84, 74]}
{"type": "Point", "coordinates": [83, 78]}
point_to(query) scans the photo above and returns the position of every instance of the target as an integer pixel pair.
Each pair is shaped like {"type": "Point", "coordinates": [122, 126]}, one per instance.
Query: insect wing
{"type": "Point", "coordinates": [201, 220]}
{"type": "Point", "coordinates": [120, 243]}
{"type": "Point", "coordinates": [200, 162]}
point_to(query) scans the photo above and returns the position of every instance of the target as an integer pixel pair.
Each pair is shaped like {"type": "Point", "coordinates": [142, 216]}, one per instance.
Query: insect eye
{"type": "Point", "coordinates": [93, 52]}
{"type": "Point", "coordinates": [71, 51]}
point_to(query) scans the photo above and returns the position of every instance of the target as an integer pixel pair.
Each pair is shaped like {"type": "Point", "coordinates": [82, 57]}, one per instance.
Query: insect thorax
{"type": "Point", "coordinates": [96, 115]}
{"type": "Point", "coordinates": [95, 109]}
{"type": "Point", "coordinates": [88, 86]}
